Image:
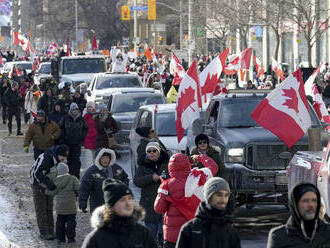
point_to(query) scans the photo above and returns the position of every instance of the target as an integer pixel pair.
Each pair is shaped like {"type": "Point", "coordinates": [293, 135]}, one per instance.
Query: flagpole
{"type": "Point", "coordinates": [76, 20]}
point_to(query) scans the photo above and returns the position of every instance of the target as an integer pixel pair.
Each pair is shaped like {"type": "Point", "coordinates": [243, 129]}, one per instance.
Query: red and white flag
{"type": "Point", "coordinates": [188, 101]}
{"type": "Point", "coordinates": [318, 104]}
{"type": "Point", "coordinates": [284, 111]}
{"type": "Point", "coordinates": [238, 61]}
{"type": "Point", "coordinates": [210, 76]}
{"type": "Point", "coordinates": [176, 70]}
{"type": "Point", "coordinates": [1, 61]}
{"type": "Point", "coordinates": [259, 67]}
{"type": "Point", "coordinates": [22, 41]}
{"type": "Point", "coordinates": [53, 47]}
{"type": "Point", "coordinates": [94, 44]}
{"type": "Point", "coordinates": [277, 68]}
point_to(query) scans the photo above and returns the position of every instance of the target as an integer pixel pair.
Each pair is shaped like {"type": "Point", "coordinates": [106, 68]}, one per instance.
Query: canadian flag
{"type": "Point", "coordinates": [238, 61]}
{"type": "Point", "coordinates": [259, 67]}
{"type": "Point", "coordinates": [1, 61]}
{"type": "Point", "coordinates": [277, 68]}
{"type": "Point", "coordinates": [284, 111]}
{"type": "Point", "coordinates": [94, 44]}
{"type": "Point", "coordinates": [210, 76]}
{"type": "Point", "coordinates": [311, 89]}
{"type": "Point", "coordinates": [22, 41]}
{"type": "Point", "coordinates": [188, 102]}
{"type": "Point", "coordinates": [176, 70]}
{"type": "Point", "coordinates": [53, 47]}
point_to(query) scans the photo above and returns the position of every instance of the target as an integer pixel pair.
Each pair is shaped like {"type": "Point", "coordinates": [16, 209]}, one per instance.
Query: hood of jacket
{"type": "Point", "coordinates": [179, 165]}
{"type": "Point", "coordinates": [97, 219]}
{"type": "Point", "coordinates": [100, 154]}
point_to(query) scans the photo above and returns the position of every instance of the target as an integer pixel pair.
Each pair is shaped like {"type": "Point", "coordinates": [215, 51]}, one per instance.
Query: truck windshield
{"type": "Point", "coordinates": [72, 66]}
{"type": "Point", "coordinates": [45, 68]}
{"type": "Point", "coordinates": [26, 66]}
{"type": "Point", "coordinates": [117, 82]}
{"type": "Point", "coordinates": [165, 124]}
{"type": "Point", "coordinates": [131, 103]}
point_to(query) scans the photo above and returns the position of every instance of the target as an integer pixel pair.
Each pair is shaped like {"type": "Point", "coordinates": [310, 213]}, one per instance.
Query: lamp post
{"type": "Point", "coordinates": [76, 20]}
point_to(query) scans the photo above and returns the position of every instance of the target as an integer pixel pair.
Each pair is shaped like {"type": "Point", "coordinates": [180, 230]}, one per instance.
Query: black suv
{"type": "Point", "coordinates": [250, 152]}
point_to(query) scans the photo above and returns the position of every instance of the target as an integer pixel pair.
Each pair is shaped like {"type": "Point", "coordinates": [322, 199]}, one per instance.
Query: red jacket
{"type": "Point", "coordinates": [89, 142]}
{"type": "Point", "coordinates": [174, 199]}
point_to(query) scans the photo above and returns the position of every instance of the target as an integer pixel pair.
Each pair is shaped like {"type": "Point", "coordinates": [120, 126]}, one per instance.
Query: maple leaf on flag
{"type": "Point", "coordinates": [187, 98]}
{"type": "Point", "coordinates": [209, 84]}
{"type": "Point", "coordinates": [292, 102]}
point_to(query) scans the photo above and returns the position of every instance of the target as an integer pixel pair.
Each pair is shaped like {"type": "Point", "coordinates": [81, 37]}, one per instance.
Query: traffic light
{"type": "Point", "coordinates": [160, 40]}
{"type": "Point", "coordinates": [125, 13]}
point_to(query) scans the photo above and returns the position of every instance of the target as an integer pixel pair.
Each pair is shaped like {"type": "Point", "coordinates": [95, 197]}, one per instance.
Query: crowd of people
{"type": "Point", "coordinates": [185, 201]}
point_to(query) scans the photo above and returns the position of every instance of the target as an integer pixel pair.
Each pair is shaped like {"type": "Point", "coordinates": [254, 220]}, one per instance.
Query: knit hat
{"type": "Point", "coordinates": [213, 185]}
{"type": "Point", "coordinates": [73, 106]}
{"type": "Point", "coordinates": [62, 150]}
{"type": "Point", "coordinates": [153, 145]}
{"type": "Point", "coordinates": [201, 137]}
{"type": "Point", "coordinates": [41, 113]}
{"type": "Point", "coordinates": [114, 190]}
{"type": "Point", "coordinates": [62, 169]}
{"type": "Point", "coordinates": [143, 131]}
{"type": "Point", "coordinates": [90, 104]}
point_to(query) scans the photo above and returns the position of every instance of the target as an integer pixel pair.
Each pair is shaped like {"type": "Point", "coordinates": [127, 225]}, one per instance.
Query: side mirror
{"type": "Point", "coordinates": [286, 155]}
{"type": "Point", "coordinates": [197, 126]}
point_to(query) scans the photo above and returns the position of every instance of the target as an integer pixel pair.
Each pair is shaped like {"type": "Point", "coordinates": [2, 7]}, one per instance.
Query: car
{"type": "Point", "coordinates": [24, 64]}
{"type": "Point", "coordinates": [161, 118]}
{"type": "Point", "coordinates": [44, 72]}
{"type": "Point", "coordinates": [250, 153]}
{"type": "Point", "coordinates": [124, 103]}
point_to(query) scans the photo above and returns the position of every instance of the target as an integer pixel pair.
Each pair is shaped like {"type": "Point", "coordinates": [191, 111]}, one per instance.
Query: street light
{"type": "Point", "coordinates": [76, 20]}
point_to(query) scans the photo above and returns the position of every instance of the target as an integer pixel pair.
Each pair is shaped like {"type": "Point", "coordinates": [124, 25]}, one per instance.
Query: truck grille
{"type": "Point", "coordinates": [266, 157]}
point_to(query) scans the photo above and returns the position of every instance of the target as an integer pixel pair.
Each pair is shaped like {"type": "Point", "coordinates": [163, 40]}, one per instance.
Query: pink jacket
{"type": "Point", "coordinates": [89, 142]}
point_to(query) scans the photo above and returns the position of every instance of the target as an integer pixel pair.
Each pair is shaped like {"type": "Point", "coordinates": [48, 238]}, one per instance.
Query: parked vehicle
{"type": "Point", "coordinates": [104, 84]}
{"type": "Point", "coordinates": [44, 72]}
{"type": "Point", "coordinates": [124, 104]}
{"type": "Point", "coordinates": [250, 153]}
{"type": "Point", "coordinates": [24, 64]}
{"type": "Point", "coordinates": [161, 118]}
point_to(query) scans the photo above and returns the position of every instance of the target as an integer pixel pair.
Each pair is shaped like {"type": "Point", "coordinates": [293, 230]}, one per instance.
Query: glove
{"type": "Point", "coordinates": [26, 149]}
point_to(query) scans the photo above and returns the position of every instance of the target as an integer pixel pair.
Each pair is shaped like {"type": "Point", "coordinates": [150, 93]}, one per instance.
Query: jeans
{"type": "Point", "coordinates": [74, 162]}
{"type": "Point", "coordinates": [17, 115]}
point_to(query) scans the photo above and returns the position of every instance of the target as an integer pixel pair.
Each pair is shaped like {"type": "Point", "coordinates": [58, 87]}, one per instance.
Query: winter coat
{"type": "Point", "coordinates": [74, 130]}
{"type": "Point", "coordinates": [100, 126]}
{"type": "Point", "coordinates": [56, 116]}
{"type": "Point", "coordinates": [81, 102]}
{"type": "Point", "coordinates": [13, 100]}
{"type": "Point", "coordinates": [89, 142]}
{"type": "Point", "coordinates": [215, 155]}
{"type": "Point", "coordinates": [31, 102]}
{"type": "Point", "coordinates": [42, 137]}
{"type": "Point", "coordinates": [173, 190]}
{"type": "Point", "coordinates": [65, 194]}
{"type": "Point", "coordinates": [3, 89]}
{"type": "Point", "coordinates": [143, 179]}
{"type": "Point", "coordinates": [208, 229]}
{"type": "Point", "coordinates": [47, 104]}
{"type": "Point", "coordinates": [122, 232]}
{"type": "Point", "coordinates": [91, 182]}
{"type": "Point", "coordinates": [291, 234]}
{"type": "Point", "coordinates": [141, 149]}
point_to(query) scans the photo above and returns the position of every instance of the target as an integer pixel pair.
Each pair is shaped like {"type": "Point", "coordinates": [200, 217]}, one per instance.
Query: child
{"type": "Point", "coordinates": [65, 203]}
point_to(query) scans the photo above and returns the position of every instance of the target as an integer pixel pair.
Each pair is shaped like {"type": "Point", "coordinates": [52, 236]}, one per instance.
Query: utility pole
{"type": "Point", "coordinates": [76, 19]}
{"type": "Point", "coordinates": [181, 27]}
{"type": "Point", "coordinates": [135, 27]}
{"type": "Point", "coordinates": [190, 33]}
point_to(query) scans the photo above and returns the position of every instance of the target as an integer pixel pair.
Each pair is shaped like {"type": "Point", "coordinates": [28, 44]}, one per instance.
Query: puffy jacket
{"type": "Point", "coordinates": [143, 179]}
{"type": "Point", "coordinates": [91, 182]}
{"type": "Point", "coordinates": [291, 235]}
{"type": "Point", "coordinates": [175, 189]}
{"type": "Point", "coordinates": [42, 137]}
{"type": "Point", "coordinates": [65, 194]}
{"type": "Point", "coordinates": [208, 229]}
{"type": "Point", "coordinates": [74, 130]}
{"type": "Point", "coordinates": [120, 233]}
{"type": "Point", "coordinates": [89, 142]}
{"type": "Point", "coordinates": [100, 126]}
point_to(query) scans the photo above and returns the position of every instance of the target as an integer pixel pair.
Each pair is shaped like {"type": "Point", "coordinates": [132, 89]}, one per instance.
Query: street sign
{"type": "Point", "coordinates": [151, 9]}
{"type": "Point", "coordinates": [138, 8]}
{"type": "Point", "coordinates": [158, 27]}
{"type": "Point", "coordinates": [125, 13]}
{"type": "Point", "coordinates": [199, 31]}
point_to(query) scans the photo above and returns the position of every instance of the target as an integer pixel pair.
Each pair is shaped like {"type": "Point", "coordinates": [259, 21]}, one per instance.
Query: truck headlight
{"type": "Point", "coordinates": [235, 155]}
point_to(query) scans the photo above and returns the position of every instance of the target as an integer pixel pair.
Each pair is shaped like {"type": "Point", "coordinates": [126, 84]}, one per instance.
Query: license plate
{"type": "Point", "coordinates": [281, 180]}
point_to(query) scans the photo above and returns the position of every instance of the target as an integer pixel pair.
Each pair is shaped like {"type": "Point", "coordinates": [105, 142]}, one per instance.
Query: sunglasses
{"type": "Point", "coordinates": [202, 142]}
{"type": "Point", "coordinates": [150, 151]}
{"type": "Point", "coordinates": [152, 131]}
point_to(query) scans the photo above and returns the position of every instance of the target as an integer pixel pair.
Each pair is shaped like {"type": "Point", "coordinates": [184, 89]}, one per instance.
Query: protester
{"type": "Point", "coordinates": [304, 227]}
{"type": "Point", "coordinates": [65, 193]}
{"type": "Point", "coordinates": [14, 102]}
{"type": "Point", "coordinates": [43, 133]}
{"type": "Point", "coordinates": [115, 223]}
{"type": "Point", "coordinates": [203, 147]}
{"type": "Point", "coordinates": [31, 102]}
{"type": "Point", "coordinates": [178, 197]}
{"type": "Point", "coordinates": [4, 85]}
{"type": "Point", "coordinates": [213, 223]}
{"type": "Point", "coordinates": [79, 100]}
{"type": "Point", "coordinates": [42, 174]}
{"type": "Point", "coordinates": [148, 178]}
{"type": "Point", "coordinates": [47, 102]}
{"type": "Point", "coordinates": [57, 114]}
{"type": "Point", "coordinates": [74, 131]}
{"type": "Point", "coordinates": [91, 183]}
{"type": "Point", "coordinates": [89, 142]}
{"type": "Point", "coordinates": [250, 86]}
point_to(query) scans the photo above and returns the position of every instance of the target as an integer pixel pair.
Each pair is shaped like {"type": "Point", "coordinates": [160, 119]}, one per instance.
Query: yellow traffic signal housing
{"type": "Point", "coordinates": [125, 15]}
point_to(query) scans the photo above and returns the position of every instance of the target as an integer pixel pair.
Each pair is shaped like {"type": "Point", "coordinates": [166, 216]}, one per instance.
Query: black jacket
{"type": "Point", "coordinates": [291, 235]}
{"type": "Point", "coordinates": [47, 103]}
{"type": "Point", "coordinates": [81, 102]}
{"type": "Point", "coordinates": [210, 228]}
{"type": "Point", "coordinates": [91, 182]}
{"type": "Point", "coordinates": [74, 130]}
{"type": "Point", "coordinates": [122, 232]}
{"type": "Point", "coordinates": [13, 100]}
{"type": "Point", "coordinates": [143, 179]}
